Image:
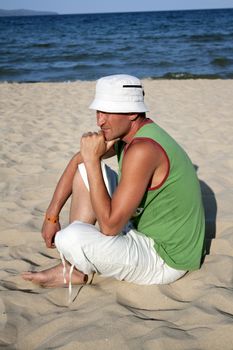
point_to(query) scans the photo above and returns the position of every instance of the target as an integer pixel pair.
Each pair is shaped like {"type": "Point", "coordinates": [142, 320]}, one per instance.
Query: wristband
{"type": "Point", "coordinates": [51, 218]}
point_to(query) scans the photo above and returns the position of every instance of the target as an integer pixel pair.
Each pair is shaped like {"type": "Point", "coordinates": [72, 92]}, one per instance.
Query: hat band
{"type": "Point", "coordinates": [132, 86]}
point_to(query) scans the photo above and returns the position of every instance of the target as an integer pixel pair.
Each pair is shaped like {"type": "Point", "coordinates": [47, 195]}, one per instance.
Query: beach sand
{"type": "Point", "coordinates": [41, 125]}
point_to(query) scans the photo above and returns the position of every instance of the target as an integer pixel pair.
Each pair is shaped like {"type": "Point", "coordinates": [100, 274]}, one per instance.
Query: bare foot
{"type": "Point", "coordinates": [53, 277]}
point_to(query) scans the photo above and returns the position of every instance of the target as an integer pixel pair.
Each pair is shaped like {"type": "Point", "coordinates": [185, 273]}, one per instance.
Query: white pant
{"type": "Point", "coordinates": [130, 257]}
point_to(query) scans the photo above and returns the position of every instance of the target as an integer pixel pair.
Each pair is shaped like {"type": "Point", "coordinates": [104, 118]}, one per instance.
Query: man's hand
{"type": "Point", "coordinates": [93, 145]}
{"type": "Point", "coordinates": [49, 231]}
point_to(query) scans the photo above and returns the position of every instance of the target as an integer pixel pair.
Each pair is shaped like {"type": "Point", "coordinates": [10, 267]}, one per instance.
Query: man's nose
{"type": "Point", "coordinates": [101, 118]}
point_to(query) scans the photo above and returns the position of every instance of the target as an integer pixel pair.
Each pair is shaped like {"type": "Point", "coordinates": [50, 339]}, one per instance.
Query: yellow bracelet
{"type": "Point", "coordinates": [51, 218]}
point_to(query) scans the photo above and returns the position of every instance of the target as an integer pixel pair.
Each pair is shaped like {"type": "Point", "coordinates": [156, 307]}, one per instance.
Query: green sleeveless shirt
{"type": "Point", "coordinates": [172, 213]}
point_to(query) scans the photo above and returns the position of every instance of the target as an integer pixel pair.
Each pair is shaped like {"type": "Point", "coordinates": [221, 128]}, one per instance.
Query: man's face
{"type": "Point", "coordinates": [114, 125]}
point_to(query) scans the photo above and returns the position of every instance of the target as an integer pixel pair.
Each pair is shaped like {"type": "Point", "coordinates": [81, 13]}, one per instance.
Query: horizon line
{"type": "Point", "coordinates": [112, 12]}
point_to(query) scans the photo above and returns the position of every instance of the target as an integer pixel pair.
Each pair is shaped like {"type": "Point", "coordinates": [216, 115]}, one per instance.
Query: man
{"type": "Point", "coordinates": [151, 225]}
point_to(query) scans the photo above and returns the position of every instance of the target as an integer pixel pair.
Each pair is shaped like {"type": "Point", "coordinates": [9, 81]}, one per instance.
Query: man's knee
{"type": "Point", "coordinates": [76, 234]}
{"type": "Point", "coordinates": [67, 237]}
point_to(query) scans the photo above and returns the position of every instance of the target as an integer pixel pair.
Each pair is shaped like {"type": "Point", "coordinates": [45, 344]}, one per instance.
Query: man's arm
{"type": "Point", "coordinates": [139, 164]}
{"type": "Point", "coordinates": [62, 193]}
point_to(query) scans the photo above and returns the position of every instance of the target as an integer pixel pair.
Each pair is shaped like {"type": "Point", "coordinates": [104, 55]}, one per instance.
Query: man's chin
{"type": "Point", "coordinates": [107, 136]}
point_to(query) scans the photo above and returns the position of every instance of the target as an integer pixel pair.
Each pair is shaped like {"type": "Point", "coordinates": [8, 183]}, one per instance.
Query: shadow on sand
{"type": "Point", "coordinates": [210, 208]}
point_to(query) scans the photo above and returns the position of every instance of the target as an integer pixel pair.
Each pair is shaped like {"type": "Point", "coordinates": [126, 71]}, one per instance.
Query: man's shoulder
{"type": "Point", "coordinates": [142, 148]}
{"type": "Point", "coordinates": [145, 144]}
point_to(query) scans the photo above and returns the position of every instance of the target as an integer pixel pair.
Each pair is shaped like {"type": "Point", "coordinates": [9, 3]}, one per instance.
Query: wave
{"type": "Point", "coordinates": [8, 72]}
{"type": "Point", "coordinates": [43, 45]}
{"type": "Point", "coordinates": [206, 37]}
{"type": "Point", "coordinates": [185, 75]}
{"type": "Point", "coordinates": [222, 61]}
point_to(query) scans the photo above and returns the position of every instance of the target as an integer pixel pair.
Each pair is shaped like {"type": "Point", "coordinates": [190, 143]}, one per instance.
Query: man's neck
{"type": "Point", "coordinates": [135, 126]}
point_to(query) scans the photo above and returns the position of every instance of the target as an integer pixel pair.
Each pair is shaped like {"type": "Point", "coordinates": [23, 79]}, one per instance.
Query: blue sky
{"type": "Point", "coordinates": [90, 6]}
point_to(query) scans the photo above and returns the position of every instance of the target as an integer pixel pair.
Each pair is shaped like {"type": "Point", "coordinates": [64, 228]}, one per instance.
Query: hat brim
{"type": "Point", "coordinates": [111, 107]}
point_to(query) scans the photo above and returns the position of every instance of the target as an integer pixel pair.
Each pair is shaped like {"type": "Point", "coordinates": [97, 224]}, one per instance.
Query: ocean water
{"type": "Point", "coordinates": [171, 45]}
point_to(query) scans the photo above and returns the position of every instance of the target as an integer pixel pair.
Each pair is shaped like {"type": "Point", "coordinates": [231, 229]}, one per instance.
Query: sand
{"type": "Point", "coordinates": [40, 129]}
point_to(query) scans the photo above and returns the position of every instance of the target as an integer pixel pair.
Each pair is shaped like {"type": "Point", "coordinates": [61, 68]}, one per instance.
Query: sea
{"type": "Point", "coordinates": [158, 45]}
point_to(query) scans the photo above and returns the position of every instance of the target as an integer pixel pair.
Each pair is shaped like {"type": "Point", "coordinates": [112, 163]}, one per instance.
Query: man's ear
{"type": "Point", "coordinates": [133, 116]}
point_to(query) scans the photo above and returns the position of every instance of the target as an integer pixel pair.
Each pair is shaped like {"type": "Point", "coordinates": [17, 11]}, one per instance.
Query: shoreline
{"type": "Point", "coordinates": [168, 76]}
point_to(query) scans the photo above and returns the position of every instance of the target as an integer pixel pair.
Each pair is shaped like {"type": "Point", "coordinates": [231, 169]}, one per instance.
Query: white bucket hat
{"type": "Point", "coordinates": [119, 93]}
